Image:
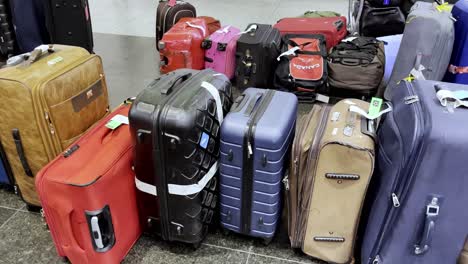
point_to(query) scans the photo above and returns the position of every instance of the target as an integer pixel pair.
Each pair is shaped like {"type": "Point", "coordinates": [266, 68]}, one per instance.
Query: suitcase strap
{"type": "Point", "coordinates": [197, 27]}
{"type": "Point", "coordinates": [177, 189]}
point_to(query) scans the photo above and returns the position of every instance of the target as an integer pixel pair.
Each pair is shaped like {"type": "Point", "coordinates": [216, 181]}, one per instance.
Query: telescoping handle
{"type": "Point", "coordinates": [432, 213]}
{"type": "Point", "coordinates": [182, 78]}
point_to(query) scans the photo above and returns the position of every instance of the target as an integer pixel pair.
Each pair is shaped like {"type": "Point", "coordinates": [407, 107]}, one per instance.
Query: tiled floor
{"type": "Point", "coordinates": [24, 238]}
{"type": "Point", "coordinates": [125, 42]}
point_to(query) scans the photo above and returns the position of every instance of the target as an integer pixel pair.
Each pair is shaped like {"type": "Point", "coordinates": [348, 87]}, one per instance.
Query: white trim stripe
{"type": "Point", "coordinates": [145, 187]}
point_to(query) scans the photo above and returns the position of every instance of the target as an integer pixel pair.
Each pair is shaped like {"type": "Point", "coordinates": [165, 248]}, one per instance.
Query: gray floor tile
{"type": "Point", "coordinates": [280, 248]}
{"type": "Point", "coordinates": [130, 64]}
{"type": "Point", "coordinates": [230, 240]}
{"type": "Point", "coordinates": [24, 239]}
{"type": "Point", "coordinates": [5, 214]}
{"type": "Point", "coordinates": [152, 250]}
{"type": "Point", "coordinates": [10, 200]}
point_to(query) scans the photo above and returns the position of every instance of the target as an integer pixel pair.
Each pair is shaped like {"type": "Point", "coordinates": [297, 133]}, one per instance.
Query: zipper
{"type": "Point", "coordinates": [248, 161]}
{"type": "Point", "coordinates": [295, 173]}
{"type": "Point", "coordinates": [49, 122]}
{"type": "Point", "coordinates": [404, 183]}
{"type": "Point", "coordinates": [312, 163]}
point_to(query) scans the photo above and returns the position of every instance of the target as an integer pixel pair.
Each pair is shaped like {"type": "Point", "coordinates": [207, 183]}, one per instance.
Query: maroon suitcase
{"type": "Point", "coordinates": [333, 28]}
{"type": "Point", "coordinates": [169, 13]}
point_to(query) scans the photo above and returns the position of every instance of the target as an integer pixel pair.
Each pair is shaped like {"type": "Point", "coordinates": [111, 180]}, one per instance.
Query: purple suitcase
{"type": "Point", "coordinates": [220, 52]}
{"type": "Point", "coordinates": [255, 142]}
{"type": "Point", "coordinates": [418, 205]}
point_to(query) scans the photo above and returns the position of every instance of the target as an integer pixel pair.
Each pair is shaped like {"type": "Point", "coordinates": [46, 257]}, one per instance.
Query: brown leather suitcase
{"type": "Point", "coordinates": [48, 102]}
{"type": "Point", "coordinates": [331, 165]}
{"type": "Point", "coordinates": [169, 13]}
{"type": "Point", "coordinates": [464, 255]}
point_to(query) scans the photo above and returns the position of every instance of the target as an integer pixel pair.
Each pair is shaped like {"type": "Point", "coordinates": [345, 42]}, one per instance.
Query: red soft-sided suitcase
{"type": "Point", "coordinates": [88, 195]}
{"type": "Point", "coordinates": [181, 46]}
{"type": "Point", "coordinates": [333, 28]}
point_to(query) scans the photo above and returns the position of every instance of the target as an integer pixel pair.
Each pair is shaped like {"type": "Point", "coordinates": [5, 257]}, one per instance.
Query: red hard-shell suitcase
{"type": "Point", "coordinates": [181, 46]}
{"type": "Point", "coordinates": [333, 28]}
{"type": "Point", "coordinates": [88, 195]}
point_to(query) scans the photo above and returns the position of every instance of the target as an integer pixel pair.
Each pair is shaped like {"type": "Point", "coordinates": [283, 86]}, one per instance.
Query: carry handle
{"type": "Point", "coordinates": [253, 104]}
{"type": "Point", "coordinates": [339, 25]}
{"type": "Point", "coordinates": [432, 213]}
{"type": "Point", "coordinates": [383, 13]}
{"type": "Point", "coordinates": [101, 229]}
{"type": "Point", "coordinates": [349, 61]}
{"type": "Point", "coordinates": [182, 78]}
{"type": "Point", "coordinates": [197, 27]}
{"type": "Point", "coordinates": [36, 54]}
{"type": "Point", "coordinates": [239, 102]}
{"type": "Point", "coordinates": [20, 150]}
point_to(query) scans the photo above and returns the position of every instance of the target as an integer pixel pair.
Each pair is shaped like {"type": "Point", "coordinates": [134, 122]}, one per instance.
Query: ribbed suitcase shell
{"type": "Point", "coordinates": [430, 34]}
{"type": "Point", "coordinates": [93, 178]}
{"type": "Point", "coordinates": [392, 45]}
{"type": "Point", "coordinates": [175, 126]}
{"type": "Point", "coordinates": [460, 47]}
{"type": "Point", "coordinates": [270, 150]}
{"type": "Point", "coordinates": [421, 157]}
{"type": "Point", "coordinates": [61, 95]}
{"type": "Point", "coordinates": [181, 47]}
{"type": "Point", "coordinates": [221, 54]}
{"type": "Point", "coordinates": [332, 28]}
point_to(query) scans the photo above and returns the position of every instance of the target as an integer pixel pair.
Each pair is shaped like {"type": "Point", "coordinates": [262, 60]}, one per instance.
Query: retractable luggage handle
{"type": "Point", "coordinates": [181, 78]}
{"type": "Point", "coordinates": [101, 229]}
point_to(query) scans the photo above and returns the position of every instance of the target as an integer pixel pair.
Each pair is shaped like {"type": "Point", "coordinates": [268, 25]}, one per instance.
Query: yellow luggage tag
{"type": "Point", "coordinates": [445, 7]}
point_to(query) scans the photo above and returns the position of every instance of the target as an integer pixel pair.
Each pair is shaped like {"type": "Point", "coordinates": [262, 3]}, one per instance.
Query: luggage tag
{"type": "Point", "coordinates": [452, 99]}
{"type": "Point", "coordinates": [117, 121]}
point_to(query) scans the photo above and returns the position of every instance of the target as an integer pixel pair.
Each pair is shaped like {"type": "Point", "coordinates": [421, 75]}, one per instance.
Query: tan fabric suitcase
{"type": "Point", "coordinates": [46, 105]}
{"type": "Point", "coordinates": [464, 255]}
{"type": "Point", "coordinates": [331, 166]}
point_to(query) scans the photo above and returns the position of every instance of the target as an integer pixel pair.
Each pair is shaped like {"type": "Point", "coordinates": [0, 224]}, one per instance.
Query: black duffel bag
{"type": "Point", "coordinates": [381, 21]}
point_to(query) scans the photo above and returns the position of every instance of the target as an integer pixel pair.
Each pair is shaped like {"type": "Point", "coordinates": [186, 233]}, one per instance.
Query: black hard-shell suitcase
{"type": "Point", "coordinates": [175, 123]}
{"type": "Point", "coordinates": [169, 13]}
{"type": "Point", "coordinates": [7, 35]}
{"type": "Point", "coordinates": [257, 50]}
{"type": "Point", "coordinates": [69, 23]}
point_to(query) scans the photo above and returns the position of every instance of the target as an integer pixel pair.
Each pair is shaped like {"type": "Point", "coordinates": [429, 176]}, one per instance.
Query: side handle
{"type": "Point", "coordinates": [432, 212]}
{"type": "Point", "coordinates": [20, 151]}
{"type": "Point", "coordinates": [101, 229]}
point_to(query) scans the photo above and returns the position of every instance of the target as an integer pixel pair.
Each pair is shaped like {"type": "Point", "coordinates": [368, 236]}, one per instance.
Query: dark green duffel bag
{"type": "Point", "coordinates": [356, 67]}
{"type": "Point", "coordinates": [314, 13]}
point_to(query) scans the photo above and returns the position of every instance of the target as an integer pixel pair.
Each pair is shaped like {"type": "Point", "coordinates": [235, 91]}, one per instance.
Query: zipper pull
{"type": "Point", "coordinates": [296, 166]}
{"type": "Point", "coordinates": [396, 201]}
{"type": "Point", "coordinates": [411, 99]}
{"type": "Point", "coordinates": [51, 126]}
{"type": "Point", "coordinates": [286, 182]}
{"type": "Point", "coordinates": [249, 149]}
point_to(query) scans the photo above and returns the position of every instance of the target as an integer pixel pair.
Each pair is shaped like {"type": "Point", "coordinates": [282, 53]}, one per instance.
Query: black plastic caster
{"type": "Point", "coordinates": [267, 241]}
{"type": "Point", "coordinates": [225, 232]}
{"type": "Point", "coordinates": [33, 208]}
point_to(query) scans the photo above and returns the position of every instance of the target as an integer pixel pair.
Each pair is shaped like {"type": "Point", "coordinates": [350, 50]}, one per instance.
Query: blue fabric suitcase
{"type": "Point", "coordinates": [29, 20]}
{"type": "Point", "coordinates": [418, 205]}
{"type": "Point", "coordinates": [5, 171]}
{"type": "Point", "coordinates": [392, 45]}
{"type": "Point", "coordinates": [255, 142]}
{"type": "Point", "coordinates": [458, 68]}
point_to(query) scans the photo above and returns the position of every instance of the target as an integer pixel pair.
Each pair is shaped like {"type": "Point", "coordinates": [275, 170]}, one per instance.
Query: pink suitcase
{"type": "Point", "coordinates": [220, 49]}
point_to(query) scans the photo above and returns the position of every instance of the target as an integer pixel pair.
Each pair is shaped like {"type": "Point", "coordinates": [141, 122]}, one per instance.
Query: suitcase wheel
{"type": "Point", "coordinates": [225, 232]}
{"type": "Point", "coordinates": [267, 241]}
{"type": "Point", "coordinates": [197, 245]}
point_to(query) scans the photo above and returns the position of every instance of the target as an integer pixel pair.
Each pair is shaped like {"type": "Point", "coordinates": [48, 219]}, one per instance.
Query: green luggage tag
{"type": "Point", "coordinates": [375, 107]}
{"type": "Point", "coordinates": [117, 121]}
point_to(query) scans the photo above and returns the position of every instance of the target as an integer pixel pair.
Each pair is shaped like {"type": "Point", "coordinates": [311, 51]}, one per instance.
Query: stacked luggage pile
{"type": "Point", "coordinates": [359, 177]}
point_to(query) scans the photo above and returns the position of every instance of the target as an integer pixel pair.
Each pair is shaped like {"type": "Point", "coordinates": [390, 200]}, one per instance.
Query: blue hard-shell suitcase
{"type": "Point", "coordinates": [418, 211]}
{"type": "Point", "coordinates": [392, 45]}
{"type": "Point", "coordinates": [458, 69]}
{"type": "Point", "coordinates": [255, 142]}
